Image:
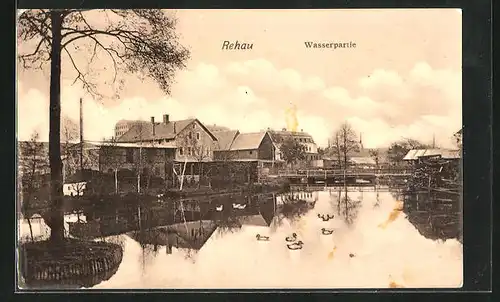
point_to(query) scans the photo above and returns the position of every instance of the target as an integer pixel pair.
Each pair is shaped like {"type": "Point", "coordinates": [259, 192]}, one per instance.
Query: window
{"type": "Point", "coordinates": [190, 135]}
{"type": "Point", "coordinates": [198, 135]}
{"type": "Point", "coordinates": [130, 155]}
{"type": "Point", "coordinates": [189, 151]}
{"type": "Point", "coordinates": [250, 152]}
{"type": "Point", "coordinates": [194, 125]}
{"type": "Point", "coordinates": [181, 151]}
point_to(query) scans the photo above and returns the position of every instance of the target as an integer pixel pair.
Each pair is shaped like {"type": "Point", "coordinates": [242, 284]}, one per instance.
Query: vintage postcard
{"type": "Point", "coordinates": [239, 149]}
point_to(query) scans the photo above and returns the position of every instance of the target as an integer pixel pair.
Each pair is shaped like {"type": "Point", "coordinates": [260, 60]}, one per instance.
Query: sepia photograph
{"type": "Point", "coordinates": [239, 149]}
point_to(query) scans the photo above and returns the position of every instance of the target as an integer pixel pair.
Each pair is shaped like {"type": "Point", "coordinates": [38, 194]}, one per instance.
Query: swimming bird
{"type": "Point", "coordinates": [291, 238]}
{"type": "Point", "coordinates": [326, 231]}
{"type": "Point", "coordinates": [239, 206]}
{"type": "Point", "coordinates": [262, 238]}
{"type": "Point", "coordinates": [325, 218]}
{"type": "Point", "coordinates": [219, 208]}
{"type": "Point", "coordinates": [295, 246]}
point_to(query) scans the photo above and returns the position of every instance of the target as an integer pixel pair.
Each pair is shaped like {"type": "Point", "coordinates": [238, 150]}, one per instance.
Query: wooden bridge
{"type": "Point", "coordinates": [351, 176]}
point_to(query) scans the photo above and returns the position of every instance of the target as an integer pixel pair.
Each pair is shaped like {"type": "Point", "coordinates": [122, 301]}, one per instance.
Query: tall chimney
{"type": "Point", "coordinates": [174, 128]}
{"type": "Point", "coordinates": [153, 124]}
{"type": "Point", "coordinates": [165, 118]}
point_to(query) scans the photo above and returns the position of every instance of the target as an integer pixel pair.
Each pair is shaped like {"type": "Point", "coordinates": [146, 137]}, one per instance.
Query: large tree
{"type": "Point", "coordinates": [375, 154]}
{"type": "Point", "coordinates": [343, 143]}
{"type": "Point", "coordinates": [292, 151]}
{"type": "Point", "coordinates": [135, 41]}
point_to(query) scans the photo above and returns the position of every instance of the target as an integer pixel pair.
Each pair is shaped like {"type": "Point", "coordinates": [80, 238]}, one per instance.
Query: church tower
{"type": "Point", "coordinates": [361, 142]}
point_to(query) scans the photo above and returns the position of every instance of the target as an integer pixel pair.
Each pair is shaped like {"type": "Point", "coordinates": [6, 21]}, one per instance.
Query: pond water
{"type": "Point", "coordinates": [374, 243]}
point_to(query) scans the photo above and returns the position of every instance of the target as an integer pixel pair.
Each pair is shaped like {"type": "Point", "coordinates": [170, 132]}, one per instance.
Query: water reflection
{"type": "Point", "coordinates": [320, 238]}
{"type": "Point", "coordinates": [436, 215]}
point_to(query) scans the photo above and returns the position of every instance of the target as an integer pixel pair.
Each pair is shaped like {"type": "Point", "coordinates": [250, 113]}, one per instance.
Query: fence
{"type": "Point", "coordinates": [321, 172]}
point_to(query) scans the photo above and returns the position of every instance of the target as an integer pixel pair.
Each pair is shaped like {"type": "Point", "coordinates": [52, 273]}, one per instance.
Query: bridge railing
{"type": "Point", "coordinates": [330, 172]}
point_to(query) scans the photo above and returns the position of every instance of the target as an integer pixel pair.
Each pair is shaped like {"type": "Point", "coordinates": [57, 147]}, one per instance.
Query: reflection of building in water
{"type": "Point", "coordinates": [190, 235]}
{"type": "Point", "coordinates": [291, 197]}
{"type": "Point", "coordinates": [436, 216]}
{"type": "Point", "coordinates": [254, 221]}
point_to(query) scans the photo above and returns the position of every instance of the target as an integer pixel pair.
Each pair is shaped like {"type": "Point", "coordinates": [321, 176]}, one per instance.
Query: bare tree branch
{"type": "Point", "coordinates": [86, 84]}
{"type": "Point", "coordinates": [136, 41]}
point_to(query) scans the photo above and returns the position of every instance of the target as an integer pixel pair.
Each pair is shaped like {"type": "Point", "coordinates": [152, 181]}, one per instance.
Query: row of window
{"type": "Point", "coordinates": [202, 151]}
{"type": "Point", "coordinates": [304, 140]}
{"type": "Point", "coordinates": [190, 135]}
{"type": "Point", "coordinates": [308, 157]}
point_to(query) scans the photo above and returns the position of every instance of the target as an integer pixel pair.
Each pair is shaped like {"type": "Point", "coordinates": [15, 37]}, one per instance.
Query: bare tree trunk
{"type": "Point", "coordinates": [56, 216]}
{"type": "Point", "coordinates": [31, 229]}
{"type": "Point", "coordinates": [116, 181]}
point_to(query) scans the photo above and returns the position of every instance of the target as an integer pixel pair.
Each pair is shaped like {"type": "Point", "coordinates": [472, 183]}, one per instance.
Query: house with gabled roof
{"type": "Point", "coordinates": [416, 154]}
{"type": "Point", "coordinates": [194, 141]}
{"type": "Point", "coordinates": [305, 139]}
{"type": "Point", "coordinates": [248, 146]}
{"type": "Point", "coordinates": [225, 139]}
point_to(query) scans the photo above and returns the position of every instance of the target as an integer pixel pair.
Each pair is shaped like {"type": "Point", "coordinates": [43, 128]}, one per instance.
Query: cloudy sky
{"type": "Point", "coordinates": [403, 79]}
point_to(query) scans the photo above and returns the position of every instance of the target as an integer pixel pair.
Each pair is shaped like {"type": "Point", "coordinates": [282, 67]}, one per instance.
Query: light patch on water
{"type": "Point", "coordinates": [357, 255]}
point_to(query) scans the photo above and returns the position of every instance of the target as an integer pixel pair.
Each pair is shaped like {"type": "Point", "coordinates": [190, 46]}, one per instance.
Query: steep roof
{"type": "Point", "coordinates": [248, 141]}
{"type": "Point", "coordinates": [225, 138]}
{"type": "Point", "coordinates": [279, 136]}
{"type": "Point", "coordinates": [215, 128]}
{"type": "Point", "coordinates": [363, 160]}
{"type": "Point", "coordinates": [416, 153]}
{"type": "Point", "coordinates": [162, 131]}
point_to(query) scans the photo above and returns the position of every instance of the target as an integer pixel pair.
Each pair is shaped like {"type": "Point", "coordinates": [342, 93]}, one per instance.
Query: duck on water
{"type": "Point", "coordinates": [291, 238]}
{"type": "Point", "coordinates": [325, 231]}
{"type": "Point", "coordinates": [239, 206]}
{"type": "Point", "coordinates": [326, 217]}
{"type": "Point", "coordinates": [262, 238]}
{"type": "Point", "coordinates": [296, 245]}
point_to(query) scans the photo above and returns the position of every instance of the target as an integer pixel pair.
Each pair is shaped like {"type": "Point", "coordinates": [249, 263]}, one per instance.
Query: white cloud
{"type": "Point", "coordinates": [253, 95]}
